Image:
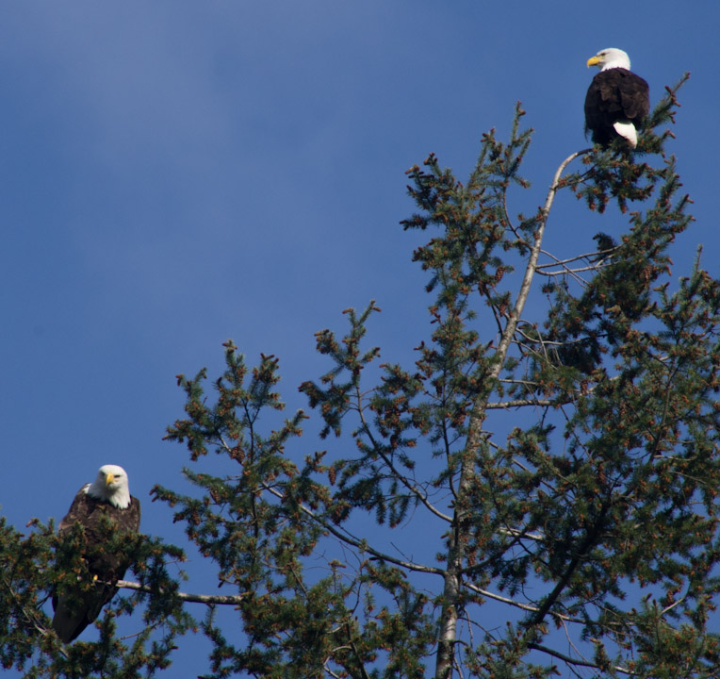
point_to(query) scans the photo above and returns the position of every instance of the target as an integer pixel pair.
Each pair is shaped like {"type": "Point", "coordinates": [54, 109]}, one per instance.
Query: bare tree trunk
{"type": "Point", "coordinates": [453, 572]}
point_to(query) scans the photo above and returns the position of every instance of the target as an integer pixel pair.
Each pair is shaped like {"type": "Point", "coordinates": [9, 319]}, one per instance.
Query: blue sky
{"type": "Point", "coordinates": [173, 174]}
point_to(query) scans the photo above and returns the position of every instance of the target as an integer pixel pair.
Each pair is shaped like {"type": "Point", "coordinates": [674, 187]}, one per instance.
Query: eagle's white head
{"type": "Point", "coordinates": [610, 58]}
{"type": "Point", "coordinates": [111, 485]}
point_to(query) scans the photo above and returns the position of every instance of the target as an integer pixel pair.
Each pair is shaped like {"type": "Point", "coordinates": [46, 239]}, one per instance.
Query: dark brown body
{"type": "Point", "coordinates": [615, 95]}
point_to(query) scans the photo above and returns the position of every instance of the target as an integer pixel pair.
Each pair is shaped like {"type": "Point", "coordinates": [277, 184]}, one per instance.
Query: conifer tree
{"type": "Point", "coordinates": [531, 494]}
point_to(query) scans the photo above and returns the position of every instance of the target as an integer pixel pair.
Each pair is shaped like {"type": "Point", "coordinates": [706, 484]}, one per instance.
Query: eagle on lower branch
{"type": "Point", "coordinates": [99, 507]}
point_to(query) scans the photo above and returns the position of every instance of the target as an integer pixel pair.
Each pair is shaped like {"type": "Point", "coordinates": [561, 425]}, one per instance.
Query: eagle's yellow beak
{"type": "Point", "coordinates": [109, 479]}
{"type": "Point", "coordinates": [593, 61]}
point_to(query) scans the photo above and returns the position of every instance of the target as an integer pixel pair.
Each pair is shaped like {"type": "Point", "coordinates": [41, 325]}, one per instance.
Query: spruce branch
{"type": "Point", "coordinates": [414, 490]}
{"type": "Point", "coordinates": [575, 661]}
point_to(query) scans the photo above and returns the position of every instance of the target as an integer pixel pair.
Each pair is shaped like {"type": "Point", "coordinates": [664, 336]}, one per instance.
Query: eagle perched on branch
{"type": "Point", "coordinates": [617, 100]}
{"type": "Point", "coordinates": [98, 506]}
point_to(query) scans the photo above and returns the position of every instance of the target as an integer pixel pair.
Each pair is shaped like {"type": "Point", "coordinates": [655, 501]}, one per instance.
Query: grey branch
{"type": "Point", "coordinates": [208, 599]}
{"type": "Point", "coordinates": [518, 403]}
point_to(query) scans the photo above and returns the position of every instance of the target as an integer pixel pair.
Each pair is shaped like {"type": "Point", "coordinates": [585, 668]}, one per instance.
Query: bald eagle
{"type": "Point", "coordinates": [617, 100]}
{"type": "Point", "coordinates": [97, 505]}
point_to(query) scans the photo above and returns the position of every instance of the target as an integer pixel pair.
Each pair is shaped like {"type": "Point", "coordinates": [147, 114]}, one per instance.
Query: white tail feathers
{"type": "Point", "coordinates": [627, 131]}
